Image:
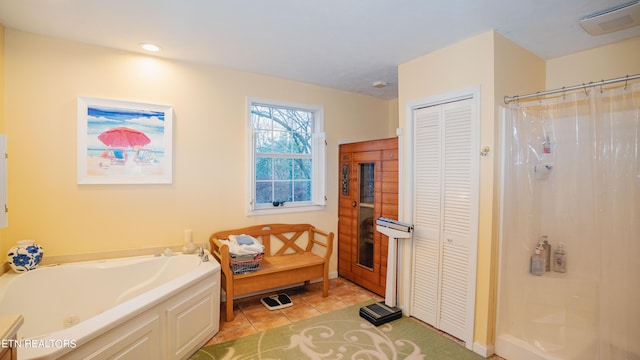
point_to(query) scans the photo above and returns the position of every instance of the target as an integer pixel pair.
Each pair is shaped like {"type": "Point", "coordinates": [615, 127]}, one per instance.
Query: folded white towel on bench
{"type": "Point", "coordinates": [243, 245]}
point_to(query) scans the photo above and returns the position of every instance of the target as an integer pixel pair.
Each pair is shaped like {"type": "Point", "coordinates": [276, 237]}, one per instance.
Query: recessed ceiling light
{"type": "Point", "coordinates": [150, 47]}
{"type": "Point", "coordinates": [379, 84]}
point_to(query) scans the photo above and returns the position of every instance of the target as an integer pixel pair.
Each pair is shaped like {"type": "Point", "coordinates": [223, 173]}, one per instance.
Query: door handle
{"type": "Point", "coordinates": [354, 204]}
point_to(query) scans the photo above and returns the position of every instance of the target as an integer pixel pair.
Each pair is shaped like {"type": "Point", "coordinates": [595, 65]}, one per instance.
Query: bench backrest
{"type": "Point", "coordinates": [286, 238]}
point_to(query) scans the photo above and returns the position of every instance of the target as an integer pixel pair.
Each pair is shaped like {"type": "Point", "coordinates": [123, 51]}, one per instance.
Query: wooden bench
{"type": "Point", "coordinates": [293, 253]}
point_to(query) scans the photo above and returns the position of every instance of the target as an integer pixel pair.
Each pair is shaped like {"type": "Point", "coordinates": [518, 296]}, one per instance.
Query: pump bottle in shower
{"type": "Point", "coordinates": [560, 259]}
{"type": "Point", "coordinates": [537, 263]}
{"type": "Point", "coordinates": [546, 252]}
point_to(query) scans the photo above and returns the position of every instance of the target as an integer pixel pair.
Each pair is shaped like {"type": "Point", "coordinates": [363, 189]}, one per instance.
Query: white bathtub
{"type": "Point", "coordinates": [150, 307]}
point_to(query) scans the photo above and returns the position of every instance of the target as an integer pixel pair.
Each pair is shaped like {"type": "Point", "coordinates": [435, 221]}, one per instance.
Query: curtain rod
{"type": "Point", "coordinates": [508, 99]}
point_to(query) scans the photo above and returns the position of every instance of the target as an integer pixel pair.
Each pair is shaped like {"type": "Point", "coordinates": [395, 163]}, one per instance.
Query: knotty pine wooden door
{"type": "Point", "coordinates": [368, 179]}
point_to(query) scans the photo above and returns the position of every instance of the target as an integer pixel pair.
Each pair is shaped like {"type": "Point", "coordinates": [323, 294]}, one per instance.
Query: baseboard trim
{"type": "Point", "coordinates": [5, 267]}
{"type": "Point", "coordinates": [484, 350]}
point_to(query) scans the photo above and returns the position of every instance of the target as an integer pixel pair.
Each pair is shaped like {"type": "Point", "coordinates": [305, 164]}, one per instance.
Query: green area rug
{"type": "Point", "coordinates": [341, 334]}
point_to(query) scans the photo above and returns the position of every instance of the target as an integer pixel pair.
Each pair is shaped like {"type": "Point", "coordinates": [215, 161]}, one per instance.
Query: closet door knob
{"type": "Point", "coordinates": [354, 204]}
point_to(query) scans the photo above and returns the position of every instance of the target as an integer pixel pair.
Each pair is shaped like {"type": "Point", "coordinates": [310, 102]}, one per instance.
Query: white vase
{"type": "Point", "coordinates": [25, 256]}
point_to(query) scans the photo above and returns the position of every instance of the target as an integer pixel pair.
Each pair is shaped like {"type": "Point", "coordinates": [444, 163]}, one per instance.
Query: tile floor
{"type": "Point", "coordinates": [252, 317]}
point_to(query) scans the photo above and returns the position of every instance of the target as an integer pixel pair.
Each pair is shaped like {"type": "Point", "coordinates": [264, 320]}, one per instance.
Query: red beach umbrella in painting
{"type": "Point", "coordinates": [123, 137]}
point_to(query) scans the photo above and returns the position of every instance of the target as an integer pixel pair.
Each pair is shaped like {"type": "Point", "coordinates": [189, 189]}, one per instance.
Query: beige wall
{"type": "Point", "coordinates": [495, 61]}
{"type": "Point", "coordinates": [602, 63]}
{"type": "Point", "coordinates": [4, 244]}
{"type": "Point", "coordinates": [44, 76]}
{"type": "Point", "coordinates": [393, 117]}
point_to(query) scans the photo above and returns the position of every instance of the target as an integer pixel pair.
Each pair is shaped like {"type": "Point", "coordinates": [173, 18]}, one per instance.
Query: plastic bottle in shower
{"type": "Point", "coordinates": [546, 252]}
{"type": "Point", "coordinates": [537, 262]}
{"type": "Point", "coordinates": [560, 259]}
{"type": "Point", "coordinates": [543, 254]}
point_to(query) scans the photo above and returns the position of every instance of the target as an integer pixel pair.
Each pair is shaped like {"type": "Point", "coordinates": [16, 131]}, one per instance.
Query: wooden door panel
{"type": "Point", "coordinates": [389, 211]}
{"type": "Point", "coordinates": [367, 156]}
{"type": "Point", "coordinates": [391, 187]}
{"type": "Point", "coordinates": [390, 166]}
{"type": "Point", "coordinates": [391, 199]}
{"type": "Point", "coordinates": [389, 154]}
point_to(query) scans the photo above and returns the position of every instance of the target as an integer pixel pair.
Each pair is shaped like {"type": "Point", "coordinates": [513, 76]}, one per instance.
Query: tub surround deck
{"type": "Point", "coordinates": [106, 255]}
{"type": "Point", "coordinates": [9, 326]}
{"type": "Point", "coordinates": [48, 260]}
{"type": "Point", "coordinates": [4, 267]}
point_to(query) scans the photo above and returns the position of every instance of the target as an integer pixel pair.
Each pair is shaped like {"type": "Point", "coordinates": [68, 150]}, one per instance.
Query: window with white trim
{"type": "Point", "coordinates": [287, 157]}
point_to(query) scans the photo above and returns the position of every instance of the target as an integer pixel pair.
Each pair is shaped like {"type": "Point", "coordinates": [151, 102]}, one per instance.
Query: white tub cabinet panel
{"type": "Point", "coordinates": [192, 320]}
{"type": "Point", "coordinates": [138, 339]}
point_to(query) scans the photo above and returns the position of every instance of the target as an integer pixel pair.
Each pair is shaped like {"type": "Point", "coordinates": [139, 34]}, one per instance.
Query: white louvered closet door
{"type": "Point", "coordinates": [446, 186]}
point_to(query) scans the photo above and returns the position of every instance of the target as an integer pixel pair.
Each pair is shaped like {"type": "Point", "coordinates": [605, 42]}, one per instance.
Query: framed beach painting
{"type": "Point", "coordinates": [123, 142]}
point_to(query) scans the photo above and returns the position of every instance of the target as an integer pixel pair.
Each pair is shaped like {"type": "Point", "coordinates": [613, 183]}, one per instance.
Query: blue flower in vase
{"type": "Point", "coordinates": [25, 256]}
{"type": "Point", "coordinates": [21, 260]}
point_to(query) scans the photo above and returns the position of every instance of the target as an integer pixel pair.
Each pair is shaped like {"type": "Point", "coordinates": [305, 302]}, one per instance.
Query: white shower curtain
{"type": "Point", "coordinates": [572, 173]}
{"type": "Point", "coordinates": [616, 177]}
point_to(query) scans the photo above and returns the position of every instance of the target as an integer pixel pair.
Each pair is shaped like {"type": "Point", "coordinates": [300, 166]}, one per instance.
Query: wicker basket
{"type": "Point", "coordinates": [244, 264]}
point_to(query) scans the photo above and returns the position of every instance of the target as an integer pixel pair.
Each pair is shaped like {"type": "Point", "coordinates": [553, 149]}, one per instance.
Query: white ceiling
{"type": "Point", "coordinates": [342, 44]}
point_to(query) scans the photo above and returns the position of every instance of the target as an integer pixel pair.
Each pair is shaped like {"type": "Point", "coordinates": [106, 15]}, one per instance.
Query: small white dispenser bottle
{"type": "Point", "coordinates": [560, 259]}
{"type": "Point", "coordinates": [537, 262]}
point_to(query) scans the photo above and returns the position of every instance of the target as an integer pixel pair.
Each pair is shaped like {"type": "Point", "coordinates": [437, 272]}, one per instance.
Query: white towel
{"type": "Point", "coordinates": [243, 245]}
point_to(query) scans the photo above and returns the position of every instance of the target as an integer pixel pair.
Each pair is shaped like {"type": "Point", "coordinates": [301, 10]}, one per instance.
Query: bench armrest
{"type": "Point", "coordinates": [323, 239]}
{"type": "Point", "coordinates": [220, 251]}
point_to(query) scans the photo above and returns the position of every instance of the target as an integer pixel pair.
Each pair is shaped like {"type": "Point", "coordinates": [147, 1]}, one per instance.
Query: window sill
{"type": "Point", "coordinates": [285, 209]}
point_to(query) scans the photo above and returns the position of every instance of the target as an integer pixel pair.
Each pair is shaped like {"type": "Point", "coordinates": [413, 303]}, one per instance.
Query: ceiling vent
{"type": "Point", "coordinates": [616, 18]}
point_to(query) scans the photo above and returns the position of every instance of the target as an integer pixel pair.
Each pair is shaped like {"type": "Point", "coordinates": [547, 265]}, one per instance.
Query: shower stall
{"type": "Point", "coordinates": [571, 172]}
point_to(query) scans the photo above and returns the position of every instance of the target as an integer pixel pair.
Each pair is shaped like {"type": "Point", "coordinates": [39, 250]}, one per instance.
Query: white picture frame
{"type": "Point", "coordinates": [124, 142]}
